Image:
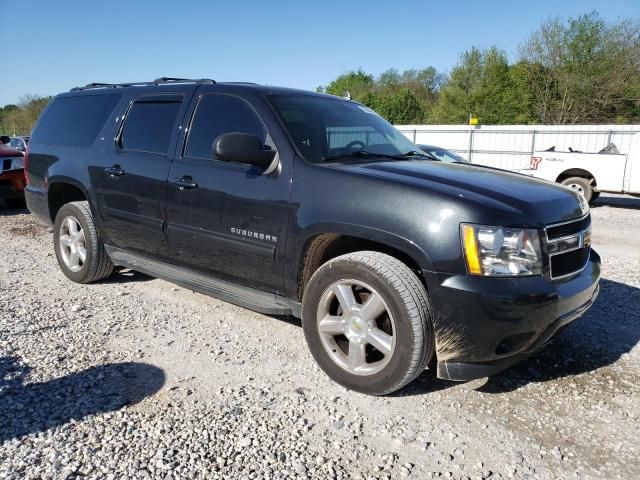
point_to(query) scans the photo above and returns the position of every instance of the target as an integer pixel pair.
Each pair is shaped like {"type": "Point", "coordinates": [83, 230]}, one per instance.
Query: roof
{"type": "Point", "coordinates": [163, 81]}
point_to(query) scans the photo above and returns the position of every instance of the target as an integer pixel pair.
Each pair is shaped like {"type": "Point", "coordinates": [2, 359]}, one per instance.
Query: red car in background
{"type": "Point", "coordinates": [12, 179]}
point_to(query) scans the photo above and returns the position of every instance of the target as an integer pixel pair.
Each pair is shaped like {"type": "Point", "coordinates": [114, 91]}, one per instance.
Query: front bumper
{"type": "Point", "coordinates": [484, 325]}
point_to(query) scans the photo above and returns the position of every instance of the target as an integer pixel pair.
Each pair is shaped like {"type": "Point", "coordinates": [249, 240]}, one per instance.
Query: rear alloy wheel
{"type": "Point", "coordinates": [72, 243]}
{"type": "Point", "coordinates": [366, 320]}
{"type": "Point", "coordinates": [80, 252]}
{"type": "Point", "coordinates": [580, 185]}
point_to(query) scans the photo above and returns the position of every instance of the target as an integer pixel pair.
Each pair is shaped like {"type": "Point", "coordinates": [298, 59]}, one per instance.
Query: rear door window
{"type": "Point", "coordinates": [150, 123]}
{"type": "Point", "coordinates": [74, 121]}
{"type": "Point", "coordinates": [217, 114]}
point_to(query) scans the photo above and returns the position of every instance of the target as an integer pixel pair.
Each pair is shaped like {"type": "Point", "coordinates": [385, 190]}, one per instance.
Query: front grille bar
{"type": "Point", "coordinates": [567, 237]}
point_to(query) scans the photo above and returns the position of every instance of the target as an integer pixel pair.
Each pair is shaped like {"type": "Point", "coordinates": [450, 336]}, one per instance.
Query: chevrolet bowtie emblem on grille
{"type": "Point", "coordinates": [243, 232]}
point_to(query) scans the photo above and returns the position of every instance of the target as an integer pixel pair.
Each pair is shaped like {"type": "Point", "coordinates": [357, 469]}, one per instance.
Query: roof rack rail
{"type": "Point", "coordinates": [157, 81]}
{"type": "Point", "coordinates": [183, 80]}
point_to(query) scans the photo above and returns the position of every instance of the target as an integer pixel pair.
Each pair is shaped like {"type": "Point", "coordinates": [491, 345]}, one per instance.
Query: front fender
{"type": "Point", "coordinates": [297, 246]}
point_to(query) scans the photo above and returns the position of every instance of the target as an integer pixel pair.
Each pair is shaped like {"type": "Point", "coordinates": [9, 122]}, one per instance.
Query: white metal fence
{"type": "Point", "coordinates": [510, 146]}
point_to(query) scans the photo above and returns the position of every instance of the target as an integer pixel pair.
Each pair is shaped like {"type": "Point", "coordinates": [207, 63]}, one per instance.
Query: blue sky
{"type": "Point", "coordinates": [51, 46]}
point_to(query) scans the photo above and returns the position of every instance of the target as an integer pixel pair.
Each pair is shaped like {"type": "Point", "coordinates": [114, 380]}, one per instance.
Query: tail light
{"type": "Point", "coordinates": [533, 163]}
{"type": "Point", "coordinates": [26, 165]}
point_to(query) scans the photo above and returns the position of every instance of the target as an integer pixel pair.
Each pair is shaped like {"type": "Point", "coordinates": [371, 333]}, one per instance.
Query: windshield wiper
{"type": "Point", "coordinates": [361, 154]}
{"type": "Point", "coordinates": [415, 153]}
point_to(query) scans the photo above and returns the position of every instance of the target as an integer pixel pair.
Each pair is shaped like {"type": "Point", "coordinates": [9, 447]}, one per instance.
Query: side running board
{"type": "Point", "coordinates": [247, 297]}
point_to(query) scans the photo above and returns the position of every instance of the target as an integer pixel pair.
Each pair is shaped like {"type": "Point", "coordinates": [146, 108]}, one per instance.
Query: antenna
{"type": "Point", "coordinates": [347, 95]}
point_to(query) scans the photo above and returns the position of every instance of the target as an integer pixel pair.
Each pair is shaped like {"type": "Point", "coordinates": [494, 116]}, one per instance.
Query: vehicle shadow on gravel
{"type": "Point", "coordinates": [618, 202]}
{"type": "Point", "coordinates": [6, 211]}
{"type": "Point", "coordinates": [36, 407]}
{"type": "Point", "coordinates": [610, 329]}
{"type": "Point", "coordinates": [125, 275]}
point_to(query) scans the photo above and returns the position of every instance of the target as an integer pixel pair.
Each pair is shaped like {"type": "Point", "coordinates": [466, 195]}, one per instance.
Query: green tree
{"type": "Point", "coordinates": [584, 71]}
{"type": "Point", "coordinates": [401, 97]}
{"type": "Point", "coordinates": [20, 119]}
{"type": "Point", "coordinates": [400, 107]}
{"type": "Point", "coordinates": [481, 84]}
{"type": "Point", "coordinates": [356, 83]}
{"type": "Point", "coordinates": [423, 84]}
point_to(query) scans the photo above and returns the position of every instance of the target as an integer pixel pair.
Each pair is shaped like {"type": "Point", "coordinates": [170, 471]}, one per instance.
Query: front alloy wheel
{"type": "Point", "coordinates": [366, 318]}
{"type": "Point", "coordinates": [355, 327]}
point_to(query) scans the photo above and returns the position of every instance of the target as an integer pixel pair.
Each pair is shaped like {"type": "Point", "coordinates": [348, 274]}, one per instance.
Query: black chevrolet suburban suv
{"type": "Point", "coordinates": [296, 203]}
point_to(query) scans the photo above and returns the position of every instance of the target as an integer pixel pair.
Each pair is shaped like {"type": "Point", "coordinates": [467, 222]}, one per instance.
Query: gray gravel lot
{"type": "Point", "coordinates": [135, 377]}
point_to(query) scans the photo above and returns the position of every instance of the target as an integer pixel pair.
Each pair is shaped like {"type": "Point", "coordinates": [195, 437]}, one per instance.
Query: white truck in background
{"type": "Point", "coordinates": [590, 173]}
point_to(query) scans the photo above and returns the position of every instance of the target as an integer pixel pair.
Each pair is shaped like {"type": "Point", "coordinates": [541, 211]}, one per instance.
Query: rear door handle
{"type": "Point", "coordinates": [184, 183]}
{"type": "Point", "coordinates": [114, 171]}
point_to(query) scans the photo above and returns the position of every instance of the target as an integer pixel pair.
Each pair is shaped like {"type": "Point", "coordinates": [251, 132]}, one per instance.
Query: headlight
{"type": "Point", "coordinates": [501, 252]}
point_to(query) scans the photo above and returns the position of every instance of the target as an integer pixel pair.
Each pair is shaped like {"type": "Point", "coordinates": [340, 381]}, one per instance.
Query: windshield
{"type": "Point", "coordinates": [16, 143]}
{"type": "Point", "coordinates": [324, 127]}
{"type": "Point", "coordinates": [443, 155]}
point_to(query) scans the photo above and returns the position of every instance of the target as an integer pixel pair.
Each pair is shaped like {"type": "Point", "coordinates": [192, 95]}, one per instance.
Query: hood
{"type": "Point", "coordinates": [538, 202]}
{"type": "Point", "coordinates": [9, 152]}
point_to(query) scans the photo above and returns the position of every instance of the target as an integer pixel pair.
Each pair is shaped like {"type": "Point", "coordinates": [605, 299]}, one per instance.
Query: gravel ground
{"type": "Point", "coordinates": [135, 377]}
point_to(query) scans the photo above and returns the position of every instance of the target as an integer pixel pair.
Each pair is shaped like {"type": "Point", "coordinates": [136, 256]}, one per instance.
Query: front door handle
{"type": "Point", "coordinates": [184, 183]}
{"type": "Point", "coordinates": [114, 171]}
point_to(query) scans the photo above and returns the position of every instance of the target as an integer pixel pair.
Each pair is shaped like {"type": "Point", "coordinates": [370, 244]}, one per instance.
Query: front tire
{"type": "Point", "coordinates": [79, 250]}
{"type": "Point", "coordinates": [366, 319]}
{"type": "Point", "coordinates": [580, 185]}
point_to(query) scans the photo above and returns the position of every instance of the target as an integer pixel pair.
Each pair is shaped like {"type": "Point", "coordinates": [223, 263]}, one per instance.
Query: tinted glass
{"type": "Point", "coordinates": [323, 127]}
{"type": "Point", "coordinates": [340, 137]}
{"type": "Point", "coordinates": [218, 114]}
{"type": "Point", "coordinates": [444, 155]}
{"type": "Point", "coordinates": [74, 121]}
{"type": "Point", "coordinates": [17, 143]}
{"type": "Point", "coordinates": [149, 125]}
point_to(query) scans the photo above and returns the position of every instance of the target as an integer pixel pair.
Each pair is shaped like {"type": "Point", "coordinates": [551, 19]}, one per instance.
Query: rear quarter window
{"type": "Point", "coordinates": [74, 121]}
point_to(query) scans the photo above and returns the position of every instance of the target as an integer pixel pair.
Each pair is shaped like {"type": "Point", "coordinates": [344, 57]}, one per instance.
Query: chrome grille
{"type": "Point", "coordinates": [570, 228]}
{"type": "Point", "coordinates": [568, 247]}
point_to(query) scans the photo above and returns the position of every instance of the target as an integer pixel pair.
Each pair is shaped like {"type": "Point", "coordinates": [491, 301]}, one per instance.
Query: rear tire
{"type": "Point", "coordinates": [379, 340]}
{"type": "Point", "coordinates": [79, 250]}
{"type": "Point", "coordinates": [580, 185]}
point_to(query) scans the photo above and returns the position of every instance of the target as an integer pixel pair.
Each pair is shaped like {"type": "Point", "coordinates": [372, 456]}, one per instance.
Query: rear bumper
{"type": "Point", "coordinates": [38, 204]}
{"type": "Point", "coordinates": [12, 184]}
{"type": "Point", "coordinates": [485, 325]}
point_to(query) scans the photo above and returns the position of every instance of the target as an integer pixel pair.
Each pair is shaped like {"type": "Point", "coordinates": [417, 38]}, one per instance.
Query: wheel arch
{"type": "Point", "coordinates": [320, 247]}
{"type": "Point", "coordinates": [62, 190]}
{"type": "Point", "coordinates": [577, 172]}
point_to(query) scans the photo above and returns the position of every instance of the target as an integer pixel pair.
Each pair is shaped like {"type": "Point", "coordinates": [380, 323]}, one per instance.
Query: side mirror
{"type": "Point", "coordinates": [242, 148]}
